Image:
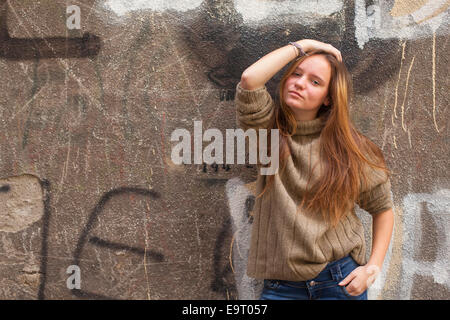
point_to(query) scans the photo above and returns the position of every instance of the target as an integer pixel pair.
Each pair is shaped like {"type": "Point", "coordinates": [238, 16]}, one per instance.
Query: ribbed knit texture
{"type": "Point", "coordinates": [286, 243]}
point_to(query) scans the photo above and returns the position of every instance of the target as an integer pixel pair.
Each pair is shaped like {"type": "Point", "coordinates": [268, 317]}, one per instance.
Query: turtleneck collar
{"type": "Point", "coordinates": [308, 127]}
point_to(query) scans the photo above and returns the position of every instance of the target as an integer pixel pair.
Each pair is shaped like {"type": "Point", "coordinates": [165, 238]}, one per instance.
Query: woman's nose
{"type": "Point", "coordinates": [300, 82]}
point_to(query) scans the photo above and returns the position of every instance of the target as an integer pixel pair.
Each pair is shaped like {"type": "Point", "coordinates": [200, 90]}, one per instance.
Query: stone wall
{"type": "Point", "coordinates": [87, 112]}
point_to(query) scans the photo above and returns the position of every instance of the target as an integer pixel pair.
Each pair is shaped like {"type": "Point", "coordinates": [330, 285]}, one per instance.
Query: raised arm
{"type": "Point", "coordinates": [256, 76]}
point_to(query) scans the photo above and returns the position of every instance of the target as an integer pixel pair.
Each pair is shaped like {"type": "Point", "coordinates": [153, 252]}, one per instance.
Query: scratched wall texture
{"type": "Point", "coordinates": [86, 116]}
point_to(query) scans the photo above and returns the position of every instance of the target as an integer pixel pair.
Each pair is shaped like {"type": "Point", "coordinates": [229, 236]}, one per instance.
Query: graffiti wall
{"type": "Point", "coordinates": [93, 207]}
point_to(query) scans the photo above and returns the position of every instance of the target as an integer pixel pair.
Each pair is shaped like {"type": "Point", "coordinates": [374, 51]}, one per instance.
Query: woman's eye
{"type": "Point", "coordinates": [315, 82]}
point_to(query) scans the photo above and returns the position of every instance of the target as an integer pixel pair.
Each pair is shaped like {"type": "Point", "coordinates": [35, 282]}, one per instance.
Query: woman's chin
{"type": "Point", "coordinates": [294, 103]}
{"type": "Point", "coordinates": [296, 109]}
{"type": "Point", "coordinates": [296, 106]}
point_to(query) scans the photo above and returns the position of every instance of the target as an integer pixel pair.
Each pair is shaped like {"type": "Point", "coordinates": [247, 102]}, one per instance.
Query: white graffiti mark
{"type": "Point", "coordinates": [122, 7]}
{"type": "Point", "coordinates": [407, 19]}
{"type": "Point", "coordinates": [237, 194]}
{"type": "Point", "coordinates": [376, 289]}
{"type": "Point", "coordinates": [402, 21]}
{"type": "Point", "coordinates": [252, 11]}
{"type": "Point", "coordinates": [257, 11]}
{"type": "Point", "coordinates": [438, 205]}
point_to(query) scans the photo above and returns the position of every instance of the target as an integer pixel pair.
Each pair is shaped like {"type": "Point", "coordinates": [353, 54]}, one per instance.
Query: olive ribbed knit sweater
{"type": "Point", "coordinates": [287, 244]}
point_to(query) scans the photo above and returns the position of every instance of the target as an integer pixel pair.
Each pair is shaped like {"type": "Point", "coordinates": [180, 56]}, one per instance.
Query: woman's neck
{"type": "Point", "coordinates": [302, 115]}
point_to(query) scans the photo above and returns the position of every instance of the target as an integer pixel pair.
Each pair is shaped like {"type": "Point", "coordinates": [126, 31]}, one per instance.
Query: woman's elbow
{"type": "Point", "coordinates": [245, 81]}
{"type": "Point", "coordinates": [248, 81]}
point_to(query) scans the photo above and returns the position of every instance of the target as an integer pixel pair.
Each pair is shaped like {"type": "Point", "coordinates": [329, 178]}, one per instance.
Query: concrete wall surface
{"type": "Point", "coordinates": [92, 205]}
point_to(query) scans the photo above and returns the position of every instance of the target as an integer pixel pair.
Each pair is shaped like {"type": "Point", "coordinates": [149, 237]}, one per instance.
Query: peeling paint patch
{"type": "Point", "coordinates": [379, 20]}
{"type": "Point", "coordinates": [254, 11]}
{"type": "Point", "coordinates": [122, 7]}
{"type": "Point", "coordinates": [21, 202]}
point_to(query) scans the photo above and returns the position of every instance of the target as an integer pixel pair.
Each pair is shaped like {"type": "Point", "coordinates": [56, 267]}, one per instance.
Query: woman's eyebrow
{"type": "Point", "coordinates": [312, 74]}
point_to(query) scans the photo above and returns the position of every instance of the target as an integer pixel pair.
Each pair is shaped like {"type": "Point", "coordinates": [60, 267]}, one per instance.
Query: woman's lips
{"type": "Point", "coordinates": [295, 94]}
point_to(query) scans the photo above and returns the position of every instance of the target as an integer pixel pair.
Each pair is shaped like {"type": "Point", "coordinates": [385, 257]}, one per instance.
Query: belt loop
{"type": "Point", "coordinates": [336, 272]}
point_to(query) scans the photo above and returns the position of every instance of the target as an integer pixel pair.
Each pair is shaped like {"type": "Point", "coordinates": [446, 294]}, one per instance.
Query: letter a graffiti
{"type": "Point", "coordinates": [74, 281]}
{"type": "Point", "coordinates": [74, 21]}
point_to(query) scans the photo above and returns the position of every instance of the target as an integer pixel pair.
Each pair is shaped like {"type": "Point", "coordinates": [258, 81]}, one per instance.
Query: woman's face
{"type": "Point", "coordinates": [306, 89]}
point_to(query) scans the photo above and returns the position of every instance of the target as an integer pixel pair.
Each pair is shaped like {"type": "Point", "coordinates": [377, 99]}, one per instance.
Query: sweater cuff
{"type": "Point", "coordinates": [248, 101]}
{"type": "Point", "coordinates": [376, 200]}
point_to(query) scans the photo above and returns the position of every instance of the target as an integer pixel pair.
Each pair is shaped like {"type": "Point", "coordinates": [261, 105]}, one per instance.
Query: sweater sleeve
{"type": "Point", "coordinates": [254, 108]}
{"type": "Point", "coordinates": [377, 198]}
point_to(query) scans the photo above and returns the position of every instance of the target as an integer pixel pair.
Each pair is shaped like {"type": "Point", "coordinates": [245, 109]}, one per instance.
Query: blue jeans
{"type": "Point", "coordinates": [323, 287]}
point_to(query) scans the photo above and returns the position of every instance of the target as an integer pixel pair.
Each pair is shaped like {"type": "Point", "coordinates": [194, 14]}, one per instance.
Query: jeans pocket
{"type": "Point", "coordinates": [271, 284]}
{"type": "Point", "coordinates": [345, 270]}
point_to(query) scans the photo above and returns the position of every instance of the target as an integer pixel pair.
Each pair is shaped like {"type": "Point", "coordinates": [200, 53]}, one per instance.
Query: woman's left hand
{"type": "Point", "coordinates": [360, 279]}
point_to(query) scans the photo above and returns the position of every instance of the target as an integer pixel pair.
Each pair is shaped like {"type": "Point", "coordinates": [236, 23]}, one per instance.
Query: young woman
{"type": "Point", "coordinates": [307, 242]}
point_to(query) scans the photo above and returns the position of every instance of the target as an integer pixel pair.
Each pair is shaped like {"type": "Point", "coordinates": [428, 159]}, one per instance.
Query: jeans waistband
{"type": "Point", "coordinates": [341, 261]}
{"type": "Point", "coordinates": [335, 268]}
{"type": "Point", "coordinates": [332, 271]}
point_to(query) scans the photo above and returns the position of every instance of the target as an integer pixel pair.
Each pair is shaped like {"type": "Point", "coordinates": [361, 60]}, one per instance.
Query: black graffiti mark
{"type": "Point", "coordinates": [5, 188]}
{"type": "Point", "coordinates": [221, 283]}
{"type": "Point", "coordinates": [219, 76]}
{"type": "Point", "coordinates": [47, 48]}
{"type": "Point", "coordinates": [44, 48]}
{"type": "Point", "coordinates": [213, 181]}
{"type": "Point", "coordinates": [159, 257]}
{"type": "Point", "coordinates": [227, 46]}
{"type": "Point", "coordinates": [99, 208]}
{"type": "Point", "coordinates": [249, 204]}
{"type": "Point", "coordinates": [45, 184]}
{"type": "Point", "coordinates": [215, 167]}
{"type": "Point", "coordinates": [226, 95]}
{"type": "Point", "coordinates": [90, 224]}
{"type": "Point", "coordinates": [224, 166]}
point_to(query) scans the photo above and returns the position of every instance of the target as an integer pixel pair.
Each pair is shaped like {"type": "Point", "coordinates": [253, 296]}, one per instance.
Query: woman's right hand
{"type": "Point", "coordinates": [310, 45]}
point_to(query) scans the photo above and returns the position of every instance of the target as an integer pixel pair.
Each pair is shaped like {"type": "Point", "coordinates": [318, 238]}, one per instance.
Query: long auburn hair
{"type": "Point", "coordinates": [344, 151]}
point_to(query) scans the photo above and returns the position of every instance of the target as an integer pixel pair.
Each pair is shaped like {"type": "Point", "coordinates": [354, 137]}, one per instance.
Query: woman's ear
{"type": "Point", "coordinates": [327, 101]}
